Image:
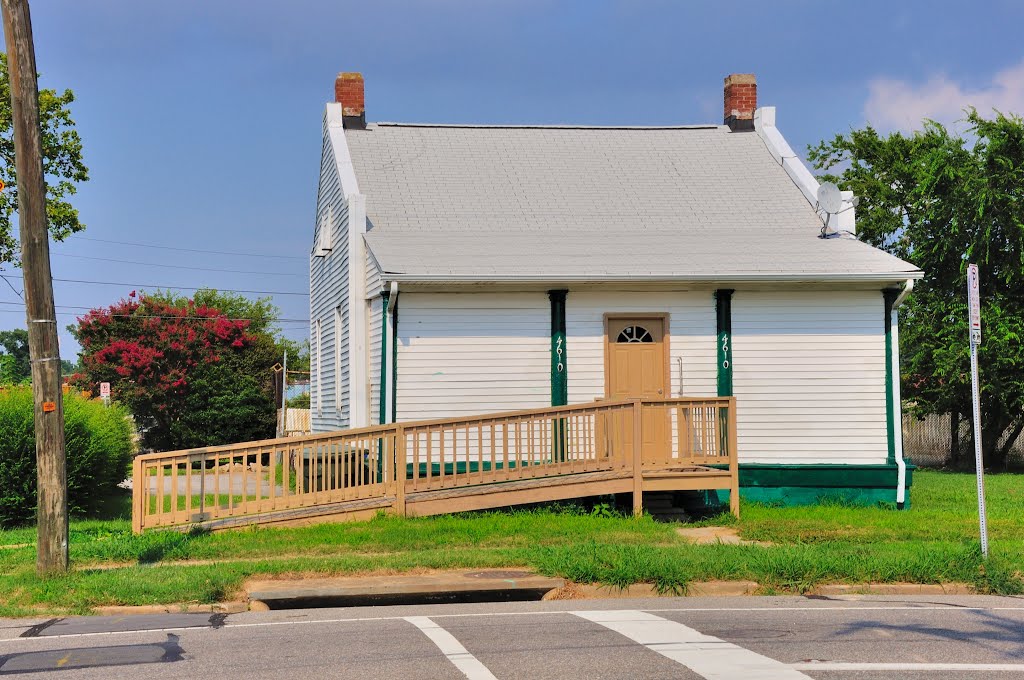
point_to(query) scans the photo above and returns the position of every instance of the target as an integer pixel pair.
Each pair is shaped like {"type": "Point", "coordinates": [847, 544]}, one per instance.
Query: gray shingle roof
{"type": "Point", "coordinates": [562, 203]}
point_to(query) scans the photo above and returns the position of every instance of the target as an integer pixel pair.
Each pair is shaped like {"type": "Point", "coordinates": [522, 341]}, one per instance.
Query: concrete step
{"type": "Point", "coordinates": [663, 507]}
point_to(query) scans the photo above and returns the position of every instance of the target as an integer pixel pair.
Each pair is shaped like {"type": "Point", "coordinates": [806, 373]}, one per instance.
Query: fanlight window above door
{"type": "Point", "coordinates": [634, 334]}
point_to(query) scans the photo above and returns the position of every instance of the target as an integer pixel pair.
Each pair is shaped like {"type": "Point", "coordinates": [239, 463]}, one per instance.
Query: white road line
{"type": "Point", "coordinates": [856, 666]}
{"type": "Point", "coordinates": [547, 612]}
{"type": "Point", "coordinates": [709, 657]}
{"type": "Point", "coordinates": [452, 648]}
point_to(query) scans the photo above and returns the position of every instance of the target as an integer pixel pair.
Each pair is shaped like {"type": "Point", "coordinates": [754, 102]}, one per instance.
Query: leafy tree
{"type": "Point", "coordinates": [62, 164]}
{"type": "Point", "coordinates": [14, 360]}
{"type": "Point", "coordinates": [941, 200]}
{"type": "Point", "coordinates": [191, 374]}
{"type": "Point", "coordinates": [15, 366]}
{"type": "Point", "coordinates": [224, 406]}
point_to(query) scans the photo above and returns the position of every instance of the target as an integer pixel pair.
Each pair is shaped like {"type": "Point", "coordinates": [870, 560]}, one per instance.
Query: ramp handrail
{"type": "Point", "coordinates": [387, 462]}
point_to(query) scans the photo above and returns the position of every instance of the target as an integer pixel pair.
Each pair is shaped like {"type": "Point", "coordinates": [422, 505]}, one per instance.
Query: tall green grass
{"type": "Point", "coordinates": [935, 541]}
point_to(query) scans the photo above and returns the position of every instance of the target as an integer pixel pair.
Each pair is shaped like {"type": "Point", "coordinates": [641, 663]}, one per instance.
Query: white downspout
{"type": "Point", "coordinates": [901, 465]}
{"type": "Point", "coordinates": [392, 338]}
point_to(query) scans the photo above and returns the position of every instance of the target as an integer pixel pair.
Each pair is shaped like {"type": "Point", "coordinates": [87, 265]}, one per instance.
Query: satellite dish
{"type": "Point", "coordinates": [830, 199]}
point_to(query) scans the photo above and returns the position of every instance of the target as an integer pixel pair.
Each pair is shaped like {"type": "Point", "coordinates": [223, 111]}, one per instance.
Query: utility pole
{"type": "Point", "coordinates": [52, 541]}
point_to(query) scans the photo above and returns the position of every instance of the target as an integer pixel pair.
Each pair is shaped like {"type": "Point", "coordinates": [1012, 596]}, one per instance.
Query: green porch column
{"type": "Point", "coordinates": [723, 311]}
{"type": "Point", "coordinates": [559, 377]}
{"type": "Point", "coordinates": [890, 406]}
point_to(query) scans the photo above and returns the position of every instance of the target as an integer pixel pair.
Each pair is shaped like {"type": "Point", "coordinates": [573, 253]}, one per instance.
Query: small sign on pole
{"type": "Point", "coordinates": [974, 312]}
{"type": "Point", "coordinates": [105, 392]}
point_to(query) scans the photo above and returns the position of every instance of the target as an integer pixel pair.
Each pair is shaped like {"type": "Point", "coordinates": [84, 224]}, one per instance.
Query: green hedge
{"type": "Point", "coordinates": [98, 443]}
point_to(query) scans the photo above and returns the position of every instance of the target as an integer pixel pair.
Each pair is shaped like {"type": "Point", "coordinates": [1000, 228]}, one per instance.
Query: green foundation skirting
{"type": "Point", "coordinates": [775, 484]}
{"type": "Point", "coordinates": [462, 468]}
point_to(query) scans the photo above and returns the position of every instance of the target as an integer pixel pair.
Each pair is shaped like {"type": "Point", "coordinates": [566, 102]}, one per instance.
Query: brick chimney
{"type": "Point", "coordinates": [348, 91]}
{"type": "Point", "coordinates": [740, 101]}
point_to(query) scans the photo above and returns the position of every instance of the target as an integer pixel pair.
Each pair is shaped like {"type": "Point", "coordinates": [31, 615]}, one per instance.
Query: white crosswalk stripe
{"type": "Point", "coordinates": [708, 656]}
{"type": "Point", "coordinates": [949, 667]}
{"type": "Point", "coordinates": [452, 648]}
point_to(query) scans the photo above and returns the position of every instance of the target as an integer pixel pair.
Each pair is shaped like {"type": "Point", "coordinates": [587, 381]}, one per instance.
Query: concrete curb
{"type": "Point", "coordinates": [215, 608]}
{"type": "Point", "coordinates": [592, 591]}
{"type": "Point", "coordinates": [894, 589]}
{"type": "Point", "coordinates": [281, 591]}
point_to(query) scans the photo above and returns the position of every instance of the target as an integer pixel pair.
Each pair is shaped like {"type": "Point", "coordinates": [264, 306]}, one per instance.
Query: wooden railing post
{"type": "Point", "coordinates": [638, 460]}
{"type": "Point", "coordinates": [401, 465]}
{"type": "Point", "coordinates": [138, 492]}
{"type": "Point", "coordinates": [734, 465]}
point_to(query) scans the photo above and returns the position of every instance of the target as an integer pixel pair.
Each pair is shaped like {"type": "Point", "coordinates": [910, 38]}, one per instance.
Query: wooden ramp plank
{"type": "Point", "coordinates": [328, 512]}
{"type": "Point", "coordinates": [518, 492]}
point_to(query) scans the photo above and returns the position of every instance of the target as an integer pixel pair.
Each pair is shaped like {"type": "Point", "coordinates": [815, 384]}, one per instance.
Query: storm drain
{"type": "Point", "coordinates": [440, 588]}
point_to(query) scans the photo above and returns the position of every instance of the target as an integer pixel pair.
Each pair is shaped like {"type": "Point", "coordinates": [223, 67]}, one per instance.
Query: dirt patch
{"type": "Point", "coordinates": [711, 535]}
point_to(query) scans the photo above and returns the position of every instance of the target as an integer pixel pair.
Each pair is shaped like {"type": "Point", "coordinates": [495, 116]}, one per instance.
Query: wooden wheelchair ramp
{"type": "Point", "coordinates": [439, 466]}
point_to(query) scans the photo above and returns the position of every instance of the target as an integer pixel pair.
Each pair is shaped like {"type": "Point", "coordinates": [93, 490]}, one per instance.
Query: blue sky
{"type": "Point", "coordinates": [201, 119]}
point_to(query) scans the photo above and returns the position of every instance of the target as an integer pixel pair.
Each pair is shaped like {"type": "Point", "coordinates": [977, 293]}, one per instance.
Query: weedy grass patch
{"type": "Point", "coordinates": [933, 542]}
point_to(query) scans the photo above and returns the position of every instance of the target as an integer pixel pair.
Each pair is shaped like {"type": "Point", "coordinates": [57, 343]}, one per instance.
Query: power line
{"type": "Point", "coordinates": [188, 250]}
{"type": "Point", "coordinates": [151, 316]}
{"type": "Point", "coordinates": [162, 316]}
{"type": "Point", "coordinates": [16, 292]}
{"type": "Point", "coordinates": [151, 285]}
{"type": "Point", "coordinates": [179, 266]}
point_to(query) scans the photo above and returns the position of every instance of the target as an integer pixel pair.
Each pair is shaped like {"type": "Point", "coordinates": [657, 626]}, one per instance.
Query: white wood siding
{"type": "Point", "coordinates": [373, 342]}
{"type": "Point", "coordinates": [373, 283]}
{"type": "Point", "coordinates": [329, 281]}
{"type": "Point", "coordinates": [468, 353]}
{"type": "Point", "coordinates": [809, 376]}
{"type": "Point", "coordinates": [691, 327]}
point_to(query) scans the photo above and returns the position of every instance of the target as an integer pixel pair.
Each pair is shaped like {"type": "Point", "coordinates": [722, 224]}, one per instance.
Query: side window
{"type": "Point", "coordinates": [325, 238]}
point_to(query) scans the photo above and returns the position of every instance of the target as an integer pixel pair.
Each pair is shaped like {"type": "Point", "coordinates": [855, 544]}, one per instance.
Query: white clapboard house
{"type": "Point", "coordinates": [467, 269]}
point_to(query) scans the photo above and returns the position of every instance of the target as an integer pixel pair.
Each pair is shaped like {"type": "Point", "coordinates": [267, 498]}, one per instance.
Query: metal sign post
{"type": "Point", "coordinates": [974, 306]}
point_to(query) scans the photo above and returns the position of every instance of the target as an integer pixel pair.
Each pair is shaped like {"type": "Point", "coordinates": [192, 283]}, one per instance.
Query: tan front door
{"type": "Point", "coordinates": [637, 367]}
{"type": "Point", "coordinates": [636, 358]}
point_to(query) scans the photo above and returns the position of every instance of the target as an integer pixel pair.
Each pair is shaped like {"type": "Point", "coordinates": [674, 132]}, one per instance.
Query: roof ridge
{"type": "Point", "coordinates": [706, 126]}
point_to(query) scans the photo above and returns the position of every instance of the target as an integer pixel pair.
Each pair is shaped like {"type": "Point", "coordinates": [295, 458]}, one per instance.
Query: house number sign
{"type": "Point", "coordinates": [559, 351]}
{"type": "Point", "coordinates": [725, 350]}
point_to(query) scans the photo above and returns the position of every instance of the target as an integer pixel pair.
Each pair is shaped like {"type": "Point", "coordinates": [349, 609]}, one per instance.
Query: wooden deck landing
{"type": "Point", "coordinates": [434, 467]}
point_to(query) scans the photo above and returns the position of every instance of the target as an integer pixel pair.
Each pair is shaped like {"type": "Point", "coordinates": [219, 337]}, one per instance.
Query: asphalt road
{"type": "Point", "coordinates": [760, 638]}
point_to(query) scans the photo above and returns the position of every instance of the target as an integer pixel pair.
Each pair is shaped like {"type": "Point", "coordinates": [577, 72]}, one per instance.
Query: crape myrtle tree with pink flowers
{"type": "Point", "coordinates": [193, 371]}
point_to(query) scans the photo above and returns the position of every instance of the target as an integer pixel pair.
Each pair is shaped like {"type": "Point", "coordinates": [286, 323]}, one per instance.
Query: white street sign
{"type": "Point", "coordinates": [105, 390]}
{"type": "Point", "coordinates": [974, 306]}
{"type": "Point", "coordinates": [974, 301]}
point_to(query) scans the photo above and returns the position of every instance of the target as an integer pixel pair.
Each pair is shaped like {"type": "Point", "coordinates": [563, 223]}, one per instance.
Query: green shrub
{"type": "Point", "coordinates": [98, 446]}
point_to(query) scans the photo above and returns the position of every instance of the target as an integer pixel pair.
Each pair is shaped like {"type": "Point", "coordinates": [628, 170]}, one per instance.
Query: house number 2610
{"type": "Point", "coordinates": [725, 350]}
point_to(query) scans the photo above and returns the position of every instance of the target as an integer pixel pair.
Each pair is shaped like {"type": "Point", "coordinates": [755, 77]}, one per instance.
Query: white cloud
{"type": "Point", "coordinates": [900, 104]}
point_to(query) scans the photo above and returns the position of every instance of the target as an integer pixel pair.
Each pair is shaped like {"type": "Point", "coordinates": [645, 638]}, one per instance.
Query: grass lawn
{"type": "Point", "coordinates": [935, 541]}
